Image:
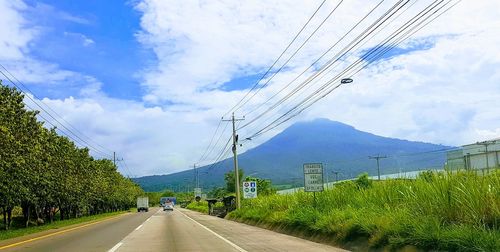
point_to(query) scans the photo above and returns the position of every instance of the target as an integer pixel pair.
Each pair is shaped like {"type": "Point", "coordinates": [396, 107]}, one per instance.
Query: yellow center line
{"type": "Point", "coordinates": [58, 232]}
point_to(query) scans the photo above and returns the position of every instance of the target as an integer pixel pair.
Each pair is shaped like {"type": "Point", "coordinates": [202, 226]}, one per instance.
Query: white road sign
{"type": "Point", "coordinates": [313, 177]}
{"type": "Point", "coordinates": [197, 192]}
{"type": "Point", "coordinates": [249, 189]}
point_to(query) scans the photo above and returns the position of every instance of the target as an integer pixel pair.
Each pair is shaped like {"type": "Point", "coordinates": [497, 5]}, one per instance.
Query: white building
{"type": "Point", "coordinates": [478, 156]}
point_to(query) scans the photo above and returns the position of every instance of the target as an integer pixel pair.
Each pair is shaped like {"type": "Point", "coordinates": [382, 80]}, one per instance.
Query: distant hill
{"type": "Point", "coordinates": [341, 147]}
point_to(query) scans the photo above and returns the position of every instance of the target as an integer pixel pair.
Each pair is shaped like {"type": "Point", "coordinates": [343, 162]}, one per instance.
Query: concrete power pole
{"type": "Point", "coordinates": [196, 177]}
{"type": "Point", "coordinates": [378, 157]}
{"type": "Point", "coordinates": [235, 160]}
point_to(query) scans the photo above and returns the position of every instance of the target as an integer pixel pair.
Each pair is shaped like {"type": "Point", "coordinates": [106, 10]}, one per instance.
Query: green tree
{"type": "Point", "coordinates": [229, 178]}
{"type": "Point", "coordinates": [264, 186]}
{"type": "Point", "coordinates": [45, 173]}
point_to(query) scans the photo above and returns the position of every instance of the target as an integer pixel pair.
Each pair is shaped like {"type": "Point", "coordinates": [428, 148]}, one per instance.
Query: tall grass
{"type": "Point", "coordinates": [444, 211]}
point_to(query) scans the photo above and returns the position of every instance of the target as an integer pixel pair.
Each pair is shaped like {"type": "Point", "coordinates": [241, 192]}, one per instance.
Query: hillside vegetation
{"type": "Point", "coordinates": [320, 140]}
{"type": "Point", "coordinates": [453, 212]}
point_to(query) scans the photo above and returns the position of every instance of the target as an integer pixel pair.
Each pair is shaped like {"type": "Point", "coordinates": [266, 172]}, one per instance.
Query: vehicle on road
{"type": "Point", "coordinates": [163, 200]}
{"type": "Point", "coordinates": [168, 206]}
{"type": "Point", "coordinates": [142, 204]}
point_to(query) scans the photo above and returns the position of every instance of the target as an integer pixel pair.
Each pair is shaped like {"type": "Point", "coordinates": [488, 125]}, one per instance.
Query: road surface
{"type": "Point", "coordinates": [178, 230]}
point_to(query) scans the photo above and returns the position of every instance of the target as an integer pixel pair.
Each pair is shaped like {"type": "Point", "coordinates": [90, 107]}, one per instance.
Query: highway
{"type": "Point", "coordinates": [178, 230]}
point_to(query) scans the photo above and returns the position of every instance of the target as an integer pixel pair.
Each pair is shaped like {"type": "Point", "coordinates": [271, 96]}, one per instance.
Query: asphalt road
{"type": "Point", "coordinates": [97, 237]}
{"type": "Point", "coordinates": [178, 230]}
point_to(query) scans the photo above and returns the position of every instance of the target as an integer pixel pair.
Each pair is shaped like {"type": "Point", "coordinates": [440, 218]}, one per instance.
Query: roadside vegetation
{"type": "Point", "coordinates": [457, 211]}
{"type": "Point", "coordinates": [45, 177]}
{"type": "Point", "coordinates": [19, 230]}
{"type": "Point", "coordinates": [264, 188]}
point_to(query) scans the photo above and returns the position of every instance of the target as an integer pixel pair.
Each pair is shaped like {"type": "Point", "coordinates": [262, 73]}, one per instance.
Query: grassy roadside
{"type": "Point", "coordinates": [453, 212]}
{"type": "Point", "coordinates": [17, 232]}
{"type": "Point", "coordinates": [201, 207]}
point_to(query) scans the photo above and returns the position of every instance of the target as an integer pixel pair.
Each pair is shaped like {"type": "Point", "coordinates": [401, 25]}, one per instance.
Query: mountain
{"type": "Point", "coordinates": [341, 147]}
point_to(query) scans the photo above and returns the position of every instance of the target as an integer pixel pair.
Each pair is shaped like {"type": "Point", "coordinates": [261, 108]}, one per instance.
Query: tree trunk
{"type": "Point", "coordinates": [26, 213]}
{"type": "Point", "coordinates": [9, 217]}
{"type": "Point", "coordinates": [4, 212]}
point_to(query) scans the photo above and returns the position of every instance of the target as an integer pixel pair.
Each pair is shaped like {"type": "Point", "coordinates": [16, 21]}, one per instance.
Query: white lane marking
{"type": "Point", "coordinates": [214, 233]}
{"type": "Point", "coordinates": [113, 249]}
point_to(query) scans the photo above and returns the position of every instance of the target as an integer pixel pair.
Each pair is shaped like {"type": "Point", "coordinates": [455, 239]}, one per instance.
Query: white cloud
{"type": "Point", "coordinates": [430, 95]}
{"type": "Point", "coordinates": [86, 41]}
{"type": "Point", "coordinates": [15, 50]}
{"type": "Point", "coordinates": [150, 139]}
{"type": "Point", "coordinates": [14, 37]}
{"type": "Point", "coordinates": [447, 94]}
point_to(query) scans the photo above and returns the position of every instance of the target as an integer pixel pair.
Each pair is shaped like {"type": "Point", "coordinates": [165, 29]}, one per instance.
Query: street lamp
{"type": "Point", "coordinates": [346, 81]}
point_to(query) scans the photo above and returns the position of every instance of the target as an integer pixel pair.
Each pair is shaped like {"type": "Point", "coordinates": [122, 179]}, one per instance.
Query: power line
{"type": "Point", "coordinates": [408, 33]}
{"type": "Point", "coordinates": [78, 138]}
{"type": "Point", "coordinates": [215, 144]}
{"type": "Point", "coordinates": [48, 107]}
{"type": "Point", "coordinates": [210, 143]}
{"type": "Point", "coordinates": [316, 61]}
{"type": "Point", "coordinates": [370, 29]}
{"type": "Point", "coordinates": [334, 59]}
{"type": "Point", "coordinates": [293, 55]}
{"type": "Point", "coordinates": [276, 61]}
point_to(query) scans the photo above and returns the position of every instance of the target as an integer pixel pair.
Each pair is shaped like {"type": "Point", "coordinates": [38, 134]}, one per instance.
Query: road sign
{"type": "Point", "coordinates": [249, 189]}
{"type": "Point", "coordinates": [313, 177]}
{"type": "Point", "coordinates": [197, 192]}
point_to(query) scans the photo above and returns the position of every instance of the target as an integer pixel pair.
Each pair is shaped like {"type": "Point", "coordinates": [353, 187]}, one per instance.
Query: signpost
{"type": "Point", "coordinates": [313, 178]}
{"type": "Point", "coordinates": [197, 193]}
{"type": "Point", "coordinates": [249, 189]}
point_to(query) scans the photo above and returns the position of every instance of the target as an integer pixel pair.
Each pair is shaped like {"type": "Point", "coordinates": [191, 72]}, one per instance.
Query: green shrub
{"type": "Point", "coordinates": [457, 211]}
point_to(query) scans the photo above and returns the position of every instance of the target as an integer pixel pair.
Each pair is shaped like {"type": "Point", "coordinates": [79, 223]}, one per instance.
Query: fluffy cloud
{"type": "Point", "coordinates": [447, 92]}
{"type": "Point", "coordinates": [430, 95]}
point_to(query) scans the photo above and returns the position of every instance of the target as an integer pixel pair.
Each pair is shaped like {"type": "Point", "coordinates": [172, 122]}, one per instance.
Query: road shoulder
{"type": "Point", "coordinates": [254, 238]}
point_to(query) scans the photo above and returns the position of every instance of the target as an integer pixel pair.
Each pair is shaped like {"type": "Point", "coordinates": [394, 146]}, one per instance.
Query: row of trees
{"type": "Point", "coordinates": [47, 175]}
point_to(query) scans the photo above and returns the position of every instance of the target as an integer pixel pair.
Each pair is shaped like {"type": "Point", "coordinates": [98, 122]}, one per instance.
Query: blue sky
{"type": "Point", "coordinates": [150, 79]}
{"type": "Point", "coordinates": [94, 38]}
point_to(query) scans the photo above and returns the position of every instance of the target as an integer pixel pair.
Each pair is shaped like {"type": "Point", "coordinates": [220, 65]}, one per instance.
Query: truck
{"type": "Point", "coordinates": [142, 204]}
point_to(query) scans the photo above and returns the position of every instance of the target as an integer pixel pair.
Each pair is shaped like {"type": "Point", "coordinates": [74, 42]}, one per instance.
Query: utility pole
{"type": "Point", "coordinates": [378, 157]}
{"type": "Point", "coordinates": [486, 144]}
{"type": "Point", "coordinates": [196, 177]}
{"type": "Point", "coordinates": [235, 160]}
{"type": "Point", "coordinates": [116, 159]}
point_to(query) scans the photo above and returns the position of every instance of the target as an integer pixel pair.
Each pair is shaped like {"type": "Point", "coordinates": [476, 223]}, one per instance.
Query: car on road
{"type": "Point", "coordinates": [169, 206]}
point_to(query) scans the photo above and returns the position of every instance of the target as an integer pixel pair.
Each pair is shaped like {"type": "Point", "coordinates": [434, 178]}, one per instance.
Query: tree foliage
{"type": "Point", "coordinates": [264, 186]}
{"type": "Point", "coordinates": [229, 178]}
{"type": "Point", "coordinates": [47, 174]}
